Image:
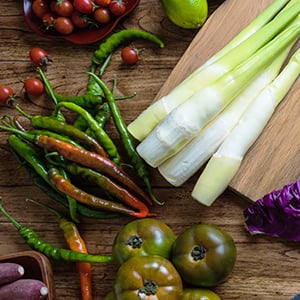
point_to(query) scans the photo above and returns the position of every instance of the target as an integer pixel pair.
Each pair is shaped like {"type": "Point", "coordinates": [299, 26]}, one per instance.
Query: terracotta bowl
{"type": "Point", "coordinates": [36, 266]}
{"type": "Point", "coordinates": [79, 36]}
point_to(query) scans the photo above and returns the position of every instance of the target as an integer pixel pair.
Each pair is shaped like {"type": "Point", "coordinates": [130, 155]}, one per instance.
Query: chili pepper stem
{"type": "Point", "coordinates": [18, 225]}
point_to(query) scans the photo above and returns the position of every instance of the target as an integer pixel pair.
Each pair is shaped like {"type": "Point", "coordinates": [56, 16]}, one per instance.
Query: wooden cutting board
{"type": "Point", "coordinates": [274, 159]}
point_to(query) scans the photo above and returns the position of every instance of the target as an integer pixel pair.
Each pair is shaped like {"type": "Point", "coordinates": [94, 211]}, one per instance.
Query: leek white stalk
{"type": "Point", "coordinates": [254, 36]}
{"type": "Point", "coordinates": [180, 167]}
{"type": "Point", "coordinates": [185, 121]}
{"type": "Point", "coordinates": [224, 164]}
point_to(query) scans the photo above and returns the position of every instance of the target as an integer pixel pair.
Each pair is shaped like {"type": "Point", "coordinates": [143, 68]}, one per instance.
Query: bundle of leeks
{"type": "Point", "coordinates": [218, 111]}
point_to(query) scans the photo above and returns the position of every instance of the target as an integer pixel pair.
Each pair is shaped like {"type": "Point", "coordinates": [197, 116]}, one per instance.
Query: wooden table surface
{"type": "Point", "coordinates": [266, 268]}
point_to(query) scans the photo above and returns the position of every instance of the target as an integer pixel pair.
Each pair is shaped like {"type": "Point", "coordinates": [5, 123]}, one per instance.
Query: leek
{"type": "Point", "coordinates": [185, 121]}
{"type": "Point", "coordinates": [180, 167]}
{"type": "Point", "coordinates": [254, 36]}
{"type": "Point", "coordinates": [225, 162]}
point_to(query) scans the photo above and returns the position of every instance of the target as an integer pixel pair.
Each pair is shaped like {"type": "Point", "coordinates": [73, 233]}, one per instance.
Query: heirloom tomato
{"type": "Point", "coordinates": [199, 294]}
{"type": "Point", "coordinates": [148, 277]}
{"type": "Point", "coordinates": [143, 237]}
{"type": "Point", "coordinates": [204, 255]}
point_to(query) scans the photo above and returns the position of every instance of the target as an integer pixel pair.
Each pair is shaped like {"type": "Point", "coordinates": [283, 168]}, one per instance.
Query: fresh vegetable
{"type": "Point", "coordinates": [33, 86]}
{"type": "Point", "coordinates": [142, 237]}
{"type": "Point", "coordinates": [199, 294]}
{"type": "Point", "coordinates": [75, 243]}
{"type": "Point", "coordinates": [261, 30]}
{"type": "Point", "coordinates": [24, 289]}
{"type": "Point", "coordinates": [185, 121]}
{"type": "Point", "coordinates": [119, 38]}
{"type": "Point", "coordinates": [130, 55]}
{"type": "Point", "coordinates": [148, 277]}
{"type": "Point", "coordinates": [276, 214]}
{"type": "Point", "coordinates": [63, 8]}
{"type": "Point", "coordinates": [189, 14]}
{"type": "Point", "coordinates": [39, 57]}
{"type": "Point", "coordinates": [204, 255]}
{"type": "Point", "coordinates": [117, 7]}
{"type": "Point", "coordinates": [34, 241]}
{"type": "Point", "coordinates": [10, 272]}
{"type": "Point", "coordinates": [63, 25]}
{"type": "Point", "coordinates": [40, 7]}
{"type": "Point", "coordinates": [6, 95]}
{"type": "Point", "coordinates": [102, 15]}
{"type": "Point", "coordinates": [66, 187]}
{"type": "Point", "coordinates": [225, 162]}
{"type": "Point", "coordinates": [84, 6]}
{"type": "Point", "coordinates": [191, 158]}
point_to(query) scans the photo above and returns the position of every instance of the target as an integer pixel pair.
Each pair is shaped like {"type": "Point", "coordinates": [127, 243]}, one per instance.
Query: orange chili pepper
{"type": "Point", "coordinates": [75, 243]}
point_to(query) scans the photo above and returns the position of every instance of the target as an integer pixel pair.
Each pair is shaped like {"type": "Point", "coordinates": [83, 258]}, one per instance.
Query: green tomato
{"type": "Point", "coordinates": [143, 237]}
{"type": "Point", "coordinates": [148, 277]}
{"type": "Point", "coordinates": [204, 255]}
{"type": "Point", "coordinates": [199, 294]}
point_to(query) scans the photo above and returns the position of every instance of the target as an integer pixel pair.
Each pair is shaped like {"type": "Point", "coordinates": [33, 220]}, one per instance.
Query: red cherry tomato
{"type": "Point", "coordinates": [62, 8]}
{"type": "Point", "coordinates": [48, 19]}
{"type": "Point", "coordinates": [84, 6]}
{"type": "Point", "coordinates": [63, 25]}
{"type": "Point", "coordinates": [129, 55]}
{"type": "Point", "coordinates": [34, 86]}
{"type": "Point", "coordinates": [6, 94]}
{"type": "Point", "coordinates": [40, 7]}
{"type": "Point", "coordinates": [102, 15]}
{"type": "Point", "coordinates": [39, 57]}
{"type": "Point", "coordinates": [79, 20]}
{"type": "Point", "coordinates": [102, 2]}
{"type": "Point", "coordinates": [117, 7]}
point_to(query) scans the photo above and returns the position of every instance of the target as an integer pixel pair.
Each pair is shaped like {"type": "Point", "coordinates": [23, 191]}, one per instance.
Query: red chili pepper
{"type": "Point", "coordinates": [91, 160]}
{"type": "Point", "coordinates": [68, 188]}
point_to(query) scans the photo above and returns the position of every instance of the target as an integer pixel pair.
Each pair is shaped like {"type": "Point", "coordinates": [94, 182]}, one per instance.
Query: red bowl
{"type": "Point", "coordinates": [79, 36]}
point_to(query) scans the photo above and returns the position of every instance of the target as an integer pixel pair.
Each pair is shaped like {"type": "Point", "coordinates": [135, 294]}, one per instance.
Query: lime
{"type": "Point", "coordinates": [188, 14]}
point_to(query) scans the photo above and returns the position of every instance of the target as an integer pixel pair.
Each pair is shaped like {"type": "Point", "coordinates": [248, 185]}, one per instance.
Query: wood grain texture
{"type": "Point", "coordinates": [266, 268]}
{"type": "Point", "coordinates": [274, 160]}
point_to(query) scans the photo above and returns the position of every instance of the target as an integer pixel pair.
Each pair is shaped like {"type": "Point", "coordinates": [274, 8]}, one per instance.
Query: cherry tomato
{"type": "Point", "coordinates": [40, 7]}
{"type": "Point", "coordinates": [63, 25]}
{"type": "Point", "coordinates": [39, 57]}
{"type": "Point", "coordinates": [204, 255]}
{"type": "Point", "coordinates": [102, 15]}
{"type": "Point", "coordinates": [143, 237]}
{"type": "Point", "coordinates": [62, 8]}
{"type": "Point", "coordinates": [148, 277]}
{"type": "Point", "coordinates": [84, 6]}
{"type": "Point", "coordinates": [79, 20]}
{"type": "Point", "coordinates": [6, 94]}
{"type": "Point", "coordinates": [117, 7]}
{"type": "Point", "coordinates": [48, 19]}
{"type": "Point", "coordinates": [129, 55]}
{"type": "Point", "coordinates": [102, 2]}
{"type": "Point", "coordinates": [34, 86]}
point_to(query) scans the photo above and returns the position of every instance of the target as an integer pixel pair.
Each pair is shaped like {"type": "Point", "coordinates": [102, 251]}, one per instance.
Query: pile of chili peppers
{"type": "Point", "coordinates": [59, 151]}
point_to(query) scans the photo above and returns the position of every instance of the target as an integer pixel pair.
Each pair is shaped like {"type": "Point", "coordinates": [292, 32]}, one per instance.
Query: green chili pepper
{"type": "Point", "coordinates": [118, 38]}
{"type": "Point", "coordinates": [37, 244]}
{"type": "Point", "coordinates": [100, 134]}
{"type": "Point", "coordinates": [53, 124]}
{"type": "Point", "coordinates": [126, 138]}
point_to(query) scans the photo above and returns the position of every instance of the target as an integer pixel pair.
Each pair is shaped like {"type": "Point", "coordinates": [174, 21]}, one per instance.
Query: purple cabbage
{"type": "Point", "coordinates": [277, 214]}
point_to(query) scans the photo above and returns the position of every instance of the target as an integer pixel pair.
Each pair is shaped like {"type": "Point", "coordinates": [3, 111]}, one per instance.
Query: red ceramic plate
{"type": "Point", "coordinates": [79, 36]}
